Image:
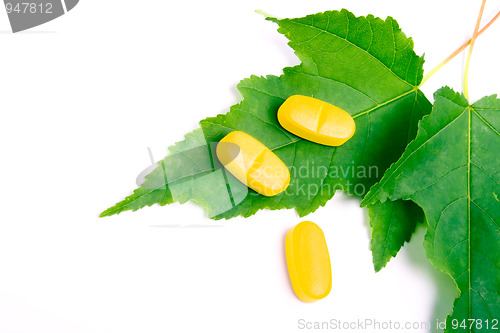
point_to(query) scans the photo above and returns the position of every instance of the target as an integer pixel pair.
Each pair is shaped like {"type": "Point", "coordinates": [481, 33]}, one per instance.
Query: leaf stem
{"type": "Point", "coordinates": [457, 51]}
{"type": "Point", "coordinates": [261, 12]}
{"type": "Point", "coordinates": [473, 40]}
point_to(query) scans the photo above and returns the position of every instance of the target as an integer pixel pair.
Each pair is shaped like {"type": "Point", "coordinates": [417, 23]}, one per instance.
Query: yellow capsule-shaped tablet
{"type": "Point", "coordinates": [316, 121]}
{"type": "Point", "coordinates": [308, 262]}
{"type": "Point", "coordinates": [253, 164]}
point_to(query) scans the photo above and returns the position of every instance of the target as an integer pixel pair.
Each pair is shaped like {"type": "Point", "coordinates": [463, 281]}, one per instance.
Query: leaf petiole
{"type": "Point", "coordinates": [473, 40]}
{"type": "Point", "coordinates": [261, 12]}
{"type": "Point", "coordinates": [457, 51]}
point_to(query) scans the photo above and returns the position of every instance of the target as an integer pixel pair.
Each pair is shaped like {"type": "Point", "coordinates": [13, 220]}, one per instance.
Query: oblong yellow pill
{"type": "Point", "coordinates": [308, 262]}
{"type": "Point", "coordinates": [316, 121]}
{"type": "Point", "coordinates": [253, 164]}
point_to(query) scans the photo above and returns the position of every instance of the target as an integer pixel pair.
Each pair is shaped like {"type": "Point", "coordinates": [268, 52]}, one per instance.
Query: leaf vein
{"type": "Point", "coordinates": [356, 46]}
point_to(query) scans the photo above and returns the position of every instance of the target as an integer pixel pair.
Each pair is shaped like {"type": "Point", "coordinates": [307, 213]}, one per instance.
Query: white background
{"type": "Point", "coordinates": [84, 96]}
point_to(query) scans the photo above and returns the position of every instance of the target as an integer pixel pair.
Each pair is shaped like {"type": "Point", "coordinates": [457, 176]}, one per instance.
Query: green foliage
{"type": "Point", "coordinates": [451, 171]}
{"type": "Point", "coordinates": [447, 175]}
{"type": "Point", "coordinates": [363, 65]}
{"type": "Point", "coordinates": [393, 223]}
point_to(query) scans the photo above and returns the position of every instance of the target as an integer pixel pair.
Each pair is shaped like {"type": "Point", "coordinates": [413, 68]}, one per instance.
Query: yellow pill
{"type": "Point", "coordinates": [308, 262]}
{"type": "Point", "coordinates": [253, 164]}
{"type": "Point", "coordinates": [316, 121]}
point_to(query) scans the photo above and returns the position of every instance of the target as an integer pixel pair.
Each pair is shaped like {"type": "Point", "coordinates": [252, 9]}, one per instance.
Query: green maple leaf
{"type": "Point", "coordinates": [364, 65]}
{"type": "Point", "coordinates": [393, 223]}
{"type": "Point", "coordinates": [451, 171]}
